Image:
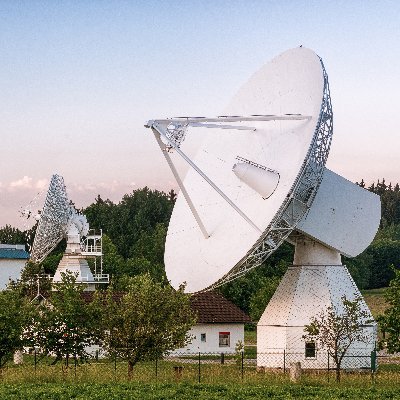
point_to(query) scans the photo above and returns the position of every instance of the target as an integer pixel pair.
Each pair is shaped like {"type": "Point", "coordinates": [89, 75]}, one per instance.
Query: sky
{"type": "Point", "coordinates": [78, 80]}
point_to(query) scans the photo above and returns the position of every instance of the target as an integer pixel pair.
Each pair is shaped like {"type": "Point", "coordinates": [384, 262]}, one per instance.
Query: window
{"type": "Point", "coordinates": [310, 350]}
{"type": "Point", "coordinates": [203, 337]}
{"type": "Point", "coordinates": [224, 339]}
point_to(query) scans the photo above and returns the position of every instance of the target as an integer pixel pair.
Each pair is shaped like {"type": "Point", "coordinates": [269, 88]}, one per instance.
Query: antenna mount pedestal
{"type": "Point", "coordinates": [316, 281]}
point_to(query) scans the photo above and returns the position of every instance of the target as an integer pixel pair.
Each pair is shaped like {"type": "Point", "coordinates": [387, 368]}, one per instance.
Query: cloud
{"type": "Point", "coordinates": [114, 186]}
{"type": "Point", "coordinates": [27, 182]}
{"type": "Point", "coordinates": [41, 184]}
{"type": "Point", "coordinates": [23, 183]}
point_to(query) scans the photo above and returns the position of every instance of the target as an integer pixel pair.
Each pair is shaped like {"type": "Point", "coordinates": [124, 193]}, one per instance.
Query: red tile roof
{"type": "Point", "coordinates": [212, 307]}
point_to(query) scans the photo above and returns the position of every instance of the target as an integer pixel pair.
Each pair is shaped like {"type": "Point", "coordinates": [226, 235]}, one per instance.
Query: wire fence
{"type": "Point", "coordinates": [196, 367]}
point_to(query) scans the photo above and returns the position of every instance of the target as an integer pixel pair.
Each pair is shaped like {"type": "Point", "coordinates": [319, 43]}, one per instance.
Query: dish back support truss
{"type": "Point", "coordinates": [300, 196]}
{"type": "Point", "coordinates": [53, 220]}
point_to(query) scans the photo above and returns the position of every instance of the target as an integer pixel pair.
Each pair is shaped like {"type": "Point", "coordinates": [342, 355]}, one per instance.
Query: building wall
{"type": "Point", "coordinates": [211, 343]}
{"type": "Point", "coordinates": [10, 269]}
{"type": "Point", "coordinates": [288, 346]}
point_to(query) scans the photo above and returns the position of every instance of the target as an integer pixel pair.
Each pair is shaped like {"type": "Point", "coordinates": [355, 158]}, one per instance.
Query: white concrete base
{"type": "Point", "coordinates": [78, 265]}
{"type": "Point", "coordinates": [304, 292]}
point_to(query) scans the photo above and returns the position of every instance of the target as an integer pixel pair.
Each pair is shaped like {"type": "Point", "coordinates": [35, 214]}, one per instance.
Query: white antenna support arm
{"type": "Point", "coordinates": [161, 129]}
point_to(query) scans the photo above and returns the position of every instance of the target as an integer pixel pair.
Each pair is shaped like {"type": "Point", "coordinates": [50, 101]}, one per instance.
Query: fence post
{"type": "Point", "coordinates": [328, 367]}
{"type": "Point", "coordinates": [373, 360]}
{"type": "Point", "coordinates": [373, 364]}
{"type": "Point", "coordinates": [284, 361]}
{"type": "Point", "coordinates": [199, 366]}
{"type": "Point", "coordinates": [242, 364]}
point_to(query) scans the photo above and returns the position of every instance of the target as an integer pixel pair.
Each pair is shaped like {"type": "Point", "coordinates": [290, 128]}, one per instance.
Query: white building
{"type": "Point", "coordinates": [12, 261]}
{"type": "Point", "coordinates": [220, 324]}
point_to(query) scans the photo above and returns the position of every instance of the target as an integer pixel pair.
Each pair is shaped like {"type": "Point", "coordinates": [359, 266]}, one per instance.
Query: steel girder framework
{"type": "Point", "coordinates": [53, 220]}
{"type": "Point", "coordinates": [299, 199]}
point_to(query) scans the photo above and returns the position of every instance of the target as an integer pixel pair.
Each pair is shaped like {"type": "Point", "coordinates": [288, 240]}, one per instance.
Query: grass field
{"type": "Point", "coordinates": [108, 380]}
{"type": "Point", "coordinates": [375, 300]}
{"type": "Point", "coordinates": [123, 391]}
{"type": "Point", "coordinates": [250, 337]}
{"type": "Point", "coordinates": [209, 372]}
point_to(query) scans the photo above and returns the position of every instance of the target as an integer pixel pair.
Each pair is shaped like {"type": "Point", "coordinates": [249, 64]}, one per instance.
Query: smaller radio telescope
{"type": "Point", "coordinates": [58, 220]}
{"type": "Point", "coordinates": [259, 179]}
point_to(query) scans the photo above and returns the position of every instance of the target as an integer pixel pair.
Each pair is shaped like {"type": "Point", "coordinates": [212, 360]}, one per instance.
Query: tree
{"type": "Point", "coordinates": [14, 315]}
{"type": "Point", "coordinates": [262, 296]}
{"type": "Point", "coordinates": [241, 290]}
{"type": "Point", "coordinates": [149, 254]}
{"type": "Point", "coordinates": [68, 325]}
{"type": "Point", "coordinates": [384, 253]}
{"type": "Point", "coordinates": [141, 265]}
{"type": "Point", "coordinates": [336, 330]}
{"type": "Point", "coordinates": [360, 268]}
{"type": "Point", "coordinates": [137, 213]}
{"type": "Point", "coordinates": [113, 263]}
{"type": "Point", "coordinates": [147, 321]}
{"type": "Point", "coordinates": [31, 281]}
{"type": "Point", "coordinates": [99, 214]}
{"type": "Point", "coordinates": [11, 235]}
{"type": "Point", "coordinates": [361, 184]}
{"type": "Point", "coordinates": [389, 322]}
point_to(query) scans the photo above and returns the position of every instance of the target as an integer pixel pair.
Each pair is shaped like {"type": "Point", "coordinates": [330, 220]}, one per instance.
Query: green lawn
{"type": "Point", "coordinates": [185, 391]}
{"type": "Point", "coordinates": [107, 380]}
{"type": "Point", "coordinates": [250, 337]}
{"type": "Point", "coordinates": [375, 300]}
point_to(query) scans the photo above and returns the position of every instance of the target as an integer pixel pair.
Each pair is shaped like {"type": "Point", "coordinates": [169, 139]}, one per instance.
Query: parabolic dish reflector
{"type": "Point", "coordinates": [288, 153]}
{"type": "Point", "coordinates": [53, 220]}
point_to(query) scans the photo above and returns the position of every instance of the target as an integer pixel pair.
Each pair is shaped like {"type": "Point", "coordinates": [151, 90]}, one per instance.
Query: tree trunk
{"type": "Point", "coordinates": [130, 369]}
{"type": "Point", "coordinates": [338, 373]}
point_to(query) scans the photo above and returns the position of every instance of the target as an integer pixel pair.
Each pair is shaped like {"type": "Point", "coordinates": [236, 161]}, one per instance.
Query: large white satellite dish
{"type": "Point", "coordinates": [261, 179]}
{"type": "Point", "coordinates": [277, 134]}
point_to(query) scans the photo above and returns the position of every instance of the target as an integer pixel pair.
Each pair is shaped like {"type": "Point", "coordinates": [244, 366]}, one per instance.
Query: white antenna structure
{"type": "Point", "coordinates": [53, 220]}
{"type": "Point", "coordinates": [58, 220]}
{"type": "Point", "coordinates": [259, 179]}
